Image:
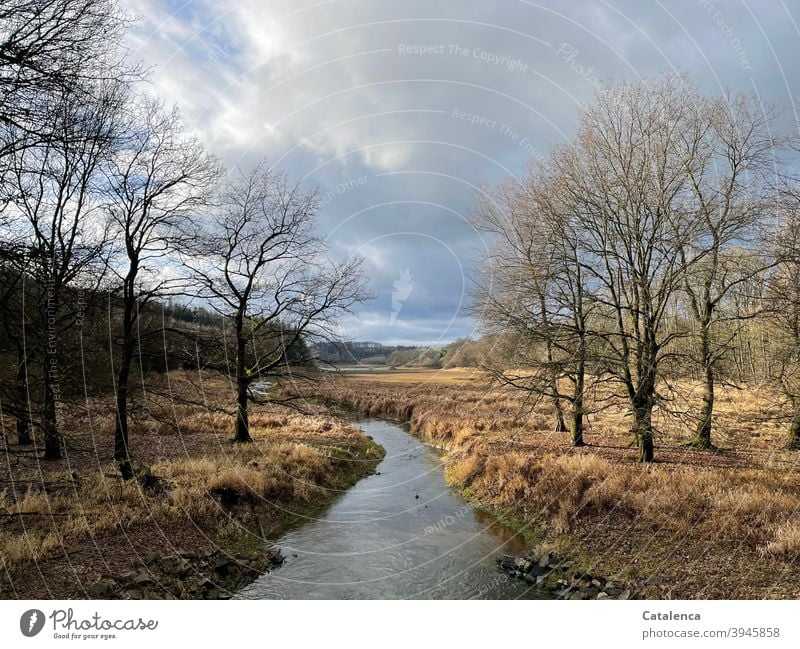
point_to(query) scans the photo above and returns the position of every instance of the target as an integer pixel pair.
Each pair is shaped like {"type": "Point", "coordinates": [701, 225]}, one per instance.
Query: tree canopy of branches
{"type": "Point", "coordinates": [652, 215]}
{"type": "Point", "coordinates": [268, 275]}
{"type": "Point", "coordinates": [54, 48]}
{"type": "Point", "coordinates": [63, 235]}
{"type": "Point", "coordinates": [159, 182]}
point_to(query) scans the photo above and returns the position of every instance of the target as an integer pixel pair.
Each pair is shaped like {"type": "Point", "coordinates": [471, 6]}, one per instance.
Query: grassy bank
{"type": "Point", "coordinates": [696, 524]}
{"type": "Point", "coordinates": [72, 528]}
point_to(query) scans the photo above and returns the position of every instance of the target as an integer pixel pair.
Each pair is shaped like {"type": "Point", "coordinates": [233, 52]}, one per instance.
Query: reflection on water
{"type": "Point", "coordinates": [398, 534]}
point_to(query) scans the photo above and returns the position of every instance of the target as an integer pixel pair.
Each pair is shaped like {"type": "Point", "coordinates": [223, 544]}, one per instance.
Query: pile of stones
{"type": "Point", "coordinates": [556, 575]}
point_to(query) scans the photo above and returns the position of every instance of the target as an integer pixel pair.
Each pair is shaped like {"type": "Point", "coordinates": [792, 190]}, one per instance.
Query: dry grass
{"type": "Point", "coordinates": [735, 510]}
{"type": "Point", "coordinates": [409, 375]}
{"type": "Point", "coordinates": [786, 542]}
{"type": "Point", "coordinates": [49, 510]}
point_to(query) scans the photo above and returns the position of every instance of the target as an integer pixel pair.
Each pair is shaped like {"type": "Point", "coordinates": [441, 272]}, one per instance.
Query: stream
{"type": "Point", "coordinates": [398, 534]}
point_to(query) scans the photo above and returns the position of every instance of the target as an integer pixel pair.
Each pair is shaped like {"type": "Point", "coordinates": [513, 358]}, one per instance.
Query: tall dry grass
{"type": "Point", "coordinates": [295, 461]}
{"type": "Point", "coordinates": [504, 453]}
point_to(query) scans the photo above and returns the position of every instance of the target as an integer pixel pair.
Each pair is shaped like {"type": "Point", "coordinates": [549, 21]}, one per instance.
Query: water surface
{"type": "Point", "coordinates": [401, 533]}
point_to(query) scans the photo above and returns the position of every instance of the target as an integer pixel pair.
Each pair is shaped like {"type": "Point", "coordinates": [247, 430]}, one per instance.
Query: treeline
{"type": "Point", "coordinates": [659, 244]}
{"type": "Point", "coordinates": [463, 352]}
{"type": "Point", "coordinates": [349, 352]}
{"type": "Point", "coordinates": [109, 209]}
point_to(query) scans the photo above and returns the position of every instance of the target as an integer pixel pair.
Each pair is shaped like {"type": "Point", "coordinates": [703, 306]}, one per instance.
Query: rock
{"type": "Point", "coordinates": [187, 554]}
{"type": "Point", "coordinates": [597, 583]}
{"type": "Point", "coordinates": [576, 595]}
{"type": "Point", "coordinates": [174, 565]}
{"type": "Point", "coordinates": [223, 567]}
{"type": "Point", "coordinates": [535, 570]}
{"type": "Point", "coordinates": [626, 594]}
{"type": "Point", "coordinates": [142, 579]}
{"type": "Point", "coordinates": [125, 577]}
{"type": "Point", "coordinates": [275, 557]}
{"type": "Point", "coordinates": [134, 594]}
{"type": "Point", "coordinates": [654, 581]}
{"type": "Point", "coordinates": [544, 560]}
{"type": "Point", "coordinates": [602, 595]}
{"type": "Point", "coordinates": [103, 589]}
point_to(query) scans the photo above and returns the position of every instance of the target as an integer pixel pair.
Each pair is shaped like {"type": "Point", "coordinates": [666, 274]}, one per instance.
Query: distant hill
{"type": "Point", "coordinates": [349, 353]}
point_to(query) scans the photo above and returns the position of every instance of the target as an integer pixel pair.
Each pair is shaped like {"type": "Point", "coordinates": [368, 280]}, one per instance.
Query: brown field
{"type": "Point", "coordinates": [68, 524]}
{"type": "Point", "coordinates": [408, 376]}
{"type": "Point", "coordinates": [696, 524]}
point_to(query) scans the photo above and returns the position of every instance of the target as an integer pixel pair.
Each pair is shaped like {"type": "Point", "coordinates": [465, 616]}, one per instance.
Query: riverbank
{"type": "Point", "coordinates": [696, 524]}
{"type": "Point", "coordinates": [194, 522]}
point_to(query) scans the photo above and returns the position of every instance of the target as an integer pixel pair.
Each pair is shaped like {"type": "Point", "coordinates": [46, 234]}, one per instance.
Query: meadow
{"type": "Point", "coordinates": [75, 523]}
{"type": "Point", "coordinates": [696, 523]}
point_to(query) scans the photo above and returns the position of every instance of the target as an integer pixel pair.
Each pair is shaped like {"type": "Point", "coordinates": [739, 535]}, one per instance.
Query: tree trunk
{"type": "Point", "coordinates": [242, 423]}
{"type": "Point", "coordinates": [577, 425]}
{"type": "Point", "coordinates": [23, 419]}
{"type": "Point", "coordinates": [121, 447]}
{"type": "Point", "coordinates": [642, 402]}
{"type": "Point", "coordinates": [703, 432]}
{"type": "Point", "coordinates": [577, 408]}
{"type": "Point", "coordinates": [52, 436]}
{"type": "Point", "coordinates": [643, 427]}
{"type": "Point", "coordinates": [794, 428]}
{"type": "Point", "coordinates": [561, 425]}
{"type": "Point", "coordinates": [242, 433]}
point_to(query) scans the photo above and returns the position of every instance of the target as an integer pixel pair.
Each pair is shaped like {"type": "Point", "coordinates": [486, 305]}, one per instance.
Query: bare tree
{"type": "Point", "coordinates": [159, 182]}
{"type": "Point", "coordinates": [267, 274]}
{"type": "Point", "coordinates": [783, 299]}
{"type": "Point", "coordinates": [730, 153]}
{"type": "Point", "coordinates": [55, 199]}
{"type": "Point", "coordinates": [534, 295]}
{"type": "Point", "coordinates": [625, 175]}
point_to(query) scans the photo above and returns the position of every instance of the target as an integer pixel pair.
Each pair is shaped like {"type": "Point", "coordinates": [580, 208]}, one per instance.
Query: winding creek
{"type": "Point", "coordinates": [401, 533]}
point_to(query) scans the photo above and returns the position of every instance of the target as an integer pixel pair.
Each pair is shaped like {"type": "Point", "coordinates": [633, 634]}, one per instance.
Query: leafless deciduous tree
{"type": "Point", "coordinates": [534, 296]}
{"type": "Point", "coordinates": [55, 201]}
{"type": "Point", "coordinates": [656, 203]}
{"type": "Point", "coordinates": [626, 176]}
{"type": "Point", "coordinates": [159, 181]}
{"type": "Point", "coordinates": [268, 275]}
{"type": "Point", "coordinates": [730, 155]}
{"type": "Point", "coordinates": [783, 307]}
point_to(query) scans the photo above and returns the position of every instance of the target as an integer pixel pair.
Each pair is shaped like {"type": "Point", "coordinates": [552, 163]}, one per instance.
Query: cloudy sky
{"type": "Point", "coordinates": [399, 111]}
